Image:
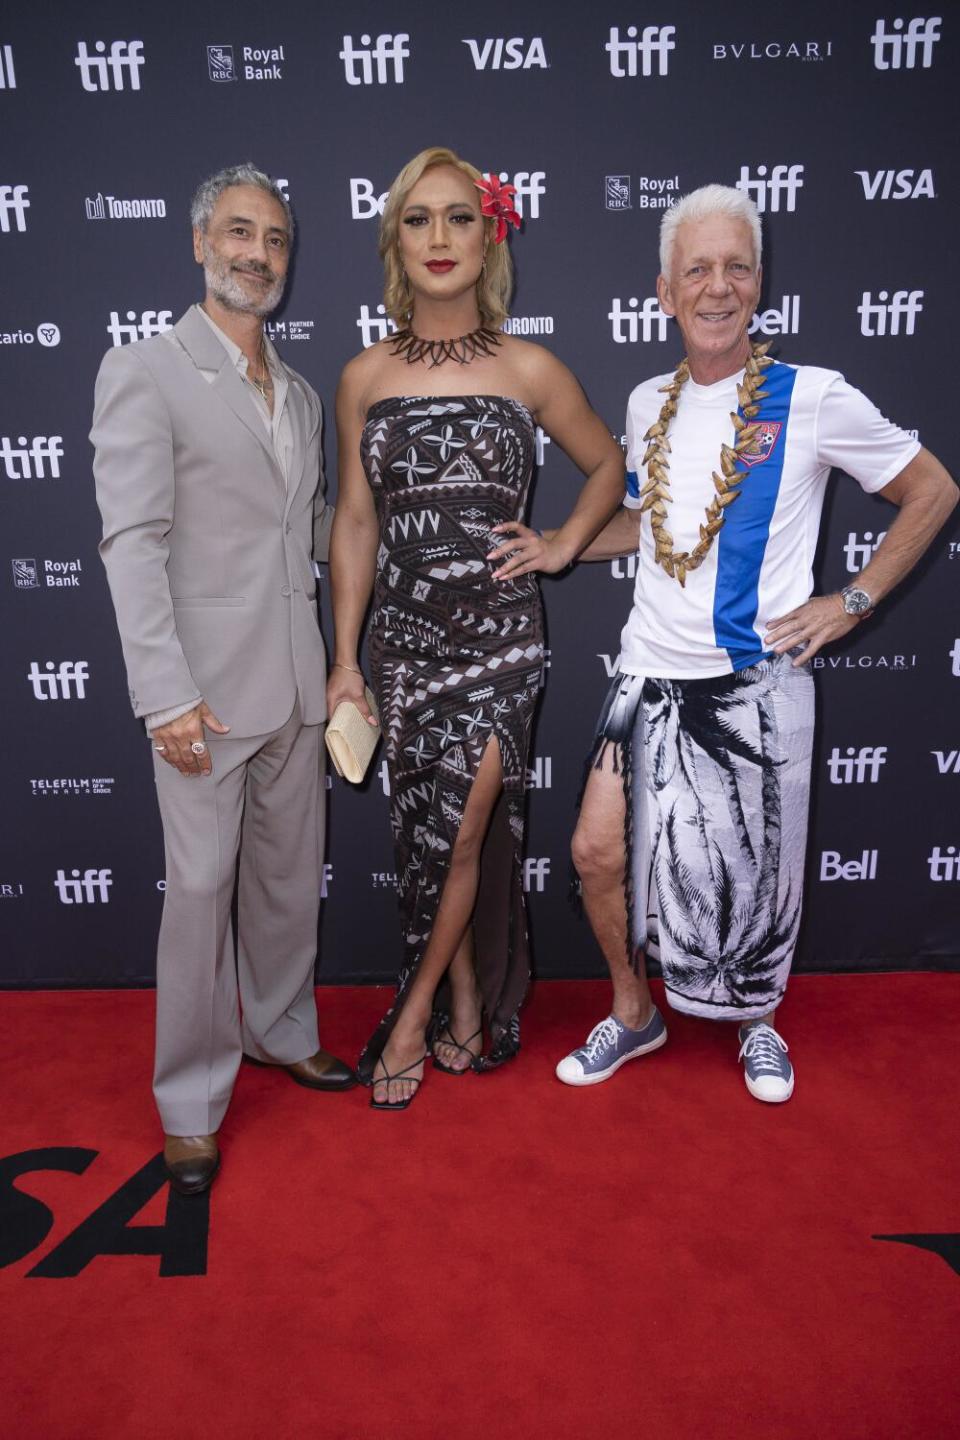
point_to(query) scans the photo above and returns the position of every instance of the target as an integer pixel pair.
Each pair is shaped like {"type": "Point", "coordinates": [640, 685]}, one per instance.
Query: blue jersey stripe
{"type": "Point", "coordinates": [633, 485]}
{"type": "Point", "coordinates": [742, 543]}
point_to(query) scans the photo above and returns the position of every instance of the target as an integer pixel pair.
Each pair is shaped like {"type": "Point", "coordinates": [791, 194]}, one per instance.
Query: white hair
{"type": "Point", "coordinates": [208, 192]}
{"type": "Point", "coordinates": [700, 205]}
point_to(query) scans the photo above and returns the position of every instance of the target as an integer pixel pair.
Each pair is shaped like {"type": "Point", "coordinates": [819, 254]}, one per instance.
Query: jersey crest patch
{"type": "Point", "coordinates": [767, 437]}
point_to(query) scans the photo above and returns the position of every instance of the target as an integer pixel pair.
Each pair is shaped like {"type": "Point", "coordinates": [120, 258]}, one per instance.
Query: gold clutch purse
{"type": "Point", "coordinates": [351, 740]}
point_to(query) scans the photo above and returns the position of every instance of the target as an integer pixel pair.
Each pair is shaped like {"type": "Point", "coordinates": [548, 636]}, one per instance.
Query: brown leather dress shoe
{"type": "Point", "coordinates": [322, 1071]}
{"type": "Point", "coordinates": [191, 1161]}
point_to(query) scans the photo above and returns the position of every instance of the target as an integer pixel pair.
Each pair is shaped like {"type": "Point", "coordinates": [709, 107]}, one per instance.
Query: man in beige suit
{"type": "Point", "coordinates": [208, 473]}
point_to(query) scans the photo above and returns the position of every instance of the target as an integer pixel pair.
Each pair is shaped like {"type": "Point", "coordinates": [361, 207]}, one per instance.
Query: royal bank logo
{"type": "Point", "coordinates": [643, 54]}
{"type": "Point", "coordinates": [140, 326]}
{"type": "Point", "coordinates": [616, 192]}
{"type": "Point", "coordinates": [535, 872]}
{"type": "Point", "coordinates": [834, 867]}
{"type": "Point", "coordinates": [889, 315]}
{"type": "Point", "coordinates": [56, 787]}
{"type": "Point", "coordinates": [25, 575]}
{"type": "Point", "coordinates": [860, 549]}
{"type": "Point", "coordinates": [35, 459]}
{"type": "Point", "coordinates": [110, 207]}
{"type": "Point", "coordinates": [902, 49]}
{"type": "Point", "coordinates": [856, 767]}
{"type": "Point", "coordinates": [771, 185]}
{"type": "Point", "coordinates": [637, 321]}
{"type": "Point", "coordinates": [375, 63]}
{"type": "Point", "coordinates": [514, 54]}
{"type": "Point", "coordinates": [90, 888]}
{"type": "Point", "coordinates": [944, 864]}
{"type": "Point", "coordinates": [8, 76]}
{"type": "Point", "coordinates": [784, 320]}
{"type": "Point", "coordinates": [811, 51]}
{"type": "Point", "coordinates": [66, 681]}
{"type": "Point", "coordinates": [14, 204]}
{"type": "Point", "coordinates": [948, 761]}
{"type": "Point", "coordinates": [897, 184]}
{"type": "Point", "coordinates": [256, 63]}
{"type": "Point", "coordinates": [53, 574]}
{"type": "Point", "coordinates": [110, 70]}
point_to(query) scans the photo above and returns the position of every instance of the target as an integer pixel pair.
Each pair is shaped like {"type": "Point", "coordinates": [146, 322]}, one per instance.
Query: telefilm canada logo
{"type": "Point", "coordinates": [58, 787]}
{"type": "Point", "coordinates": [112, 69]}
{"type": "Point", "coordinates": [281, 330]}
{"type": "Point", "coordinates": [14, 204]}
{"type": "Point", "coordinates": [47, 335]}
{"type": "Point", "coordinates": [111, 207]}
{"type": "Point", "coordinates": [256, 63]}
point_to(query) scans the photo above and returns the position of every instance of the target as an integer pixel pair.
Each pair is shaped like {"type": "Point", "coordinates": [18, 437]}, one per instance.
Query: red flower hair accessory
{"type": "Point", "coordinates": [497, 203]}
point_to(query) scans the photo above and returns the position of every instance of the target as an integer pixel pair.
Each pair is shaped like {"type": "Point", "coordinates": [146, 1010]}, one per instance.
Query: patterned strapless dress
{"type": "Point", "coordinates": [457, 661]}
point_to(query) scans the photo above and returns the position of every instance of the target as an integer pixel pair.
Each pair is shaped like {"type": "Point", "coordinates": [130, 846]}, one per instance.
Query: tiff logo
{"type": "Point", "coordinates": [833, 868]}
{"type": "Point", "coordinates": [637, 321]}
{"type": "Point", "coordinates": [906, 305]}
{"type": "Point", "coordinates": [535, 874]}
{"type": "Point", "coordinates": [944, 864]}
{"type": "Point", "coordinates": [326, 880]}
{"type": "Point", "coordinates": [389, 51]}
{"type": "Point", "coordinates": [56, 682]}
{"type": "Point", "coordinates": [8, 76]}
{"type": "Point", "coordinates": [105, 72]}
{"type": "Point", "coordinates": [27, 462]}
{"type": "Point", "coordinates": [151, 322]}
{"type": "Point", "coordinates": [13, 198]}
{"type": "Point", "coordinates": [91, 889]}
{"type": "Point", "coordinates": [857, 766]}
{"type": "Point", "coordinates": [955, 658]}
{"type": "Point", "coordinates": [529, 185]}
{"type": "Point", "coordinates": [374, 327]}
{"type": "Point", "coordinates": [899, 50]}
{"type": "Point", "coordinates": [656, 42]}
{"type": "Point", "coordinates": [783, 180]}
{"type": "Point", "coordinates": [858, 552]}
{"type": "Point", "coordinates": [948, 761]}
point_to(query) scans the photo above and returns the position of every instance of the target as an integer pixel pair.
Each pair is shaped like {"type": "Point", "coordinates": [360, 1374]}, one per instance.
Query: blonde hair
{"type": "Point", "coordinates": [495, 284]}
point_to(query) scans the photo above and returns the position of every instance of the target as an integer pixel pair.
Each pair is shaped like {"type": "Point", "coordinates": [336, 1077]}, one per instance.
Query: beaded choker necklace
{"type": "Point", "coordinates": [656, 492]}
{"type": "Point", "coordinates": [464, 349]}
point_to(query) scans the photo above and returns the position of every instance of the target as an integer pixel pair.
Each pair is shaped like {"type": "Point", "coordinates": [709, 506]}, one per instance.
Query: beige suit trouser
{"type": "Point", "coordinates": [264, 802]}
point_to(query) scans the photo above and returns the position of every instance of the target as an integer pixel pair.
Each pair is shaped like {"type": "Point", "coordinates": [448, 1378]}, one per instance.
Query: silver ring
{"type": "Point", "coordinates": [159, 749]}
{"type": "Point", "coordinates": [198, 747]}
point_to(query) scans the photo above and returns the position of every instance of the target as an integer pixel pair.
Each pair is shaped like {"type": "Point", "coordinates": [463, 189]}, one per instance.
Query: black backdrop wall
{"type": "Point", "coordinates": [840, 120]}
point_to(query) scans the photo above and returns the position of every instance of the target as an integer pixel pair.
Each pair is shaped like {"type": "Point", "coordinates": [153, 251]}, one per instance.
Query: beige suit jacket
{"type": "Point", "coordinates": [207, 551]}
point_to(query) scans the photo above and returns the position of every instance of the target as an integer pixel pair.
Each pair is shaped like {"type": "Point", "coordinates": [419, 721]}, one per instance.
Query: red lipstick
{"type": "Point", "coordinates": [440, 267]}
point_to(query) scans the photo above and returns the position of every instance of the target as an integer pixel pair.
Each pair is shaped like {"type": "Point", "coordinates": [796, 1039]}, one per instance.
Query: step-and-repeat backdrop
{"type": "Point", "coordinates": [840, 121]}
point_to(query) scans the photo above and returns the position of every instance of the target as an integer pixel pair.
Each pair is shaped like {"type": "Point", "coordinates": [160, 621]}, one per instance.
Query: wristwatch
{"type": "Point", "coordinates": [856, 601]}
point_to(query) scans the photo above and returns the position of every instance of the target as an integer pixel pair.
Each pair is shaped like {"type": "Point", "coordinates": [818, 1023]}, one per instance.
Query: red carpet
{"type": "Point", "coordinates": [660, 1256]}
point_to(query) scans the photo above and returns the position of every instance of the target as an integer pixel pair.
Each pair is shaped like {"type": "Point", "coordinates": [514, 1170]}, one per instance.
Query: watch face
{"type": "Point", "coordinates": [856, 602]}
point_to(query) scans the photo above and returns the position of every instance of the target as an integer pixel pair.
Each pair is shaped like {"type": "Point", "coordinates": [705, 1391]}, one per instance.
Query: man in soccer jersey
{"type": "Point", "coordinates": [703, 750]}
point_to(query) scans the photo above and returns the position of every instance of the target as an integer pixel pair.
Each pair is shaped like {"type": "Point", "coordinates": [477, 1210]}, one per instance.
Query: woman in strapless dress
{"type": "Point", "coordinates": [436, 430]}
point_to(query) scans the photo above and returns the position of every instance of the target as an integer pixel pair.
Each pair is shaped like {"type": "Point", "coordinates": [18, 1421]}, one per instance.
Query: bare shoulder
{"type": "Point", "coordinates": [537, 369]}
{"type": "Point", "coordinates": [360, 377]}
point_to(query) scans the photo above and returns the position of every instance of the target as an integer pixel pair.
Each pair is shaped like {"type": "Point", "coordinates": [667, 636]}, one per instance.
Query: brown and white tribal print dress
{"type": "Point", "coordinates": [456, 659]}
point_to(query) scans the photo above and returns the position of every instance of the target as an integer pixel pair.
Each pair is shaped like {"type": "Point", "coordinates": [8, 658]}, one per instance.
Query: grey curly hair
{"type": "Point", "coordinates": [208, 192]}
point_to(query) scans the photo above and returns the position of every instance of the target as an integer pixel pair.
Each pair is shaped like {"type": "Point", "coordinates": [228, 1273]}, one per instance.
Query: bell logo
{"type": "Point", "coordinates": [101, 71]}
{"type": "Point", "coordinates": [858, 766]}
{"type": "Point", "coordinates": [55, 683]}
{"type": "Point", "coordinates": [365, 203]}
{"type": "Point", "coordinates": [13, 200]}
{"type": "Point", "coordinates": [387, 54]}
{"type": "Point", "coordinates": [897, 184]}
{"type": "Point", "coordinates": [785, 321]}
{"type": "Point", "coordinates": [374, 327]}
{"type": "Point", "coordinates": [944, 864]}
{"type": "Point", "coordinates": [515, 54]}
{"type": "Point", "coordinates": [26, 460]}
{"type": "Point", "coordinates": [833, 868]}
{"type": "Point", "coordinates": [150, 323]}
{"type": "Point", "coordinates": [540, 775]}
{"type": "Point", "coordinates": [900, 49]}
{"type": "Point", "coordinates": [535, 873]}
{"type": "Point", "coordinates": [905, 305]}
{"type": "Point", "coordinates": [859, 552]}
{"type": "Point", "coordinates": [767, 190]}
{"type": "Point", "coordinates": [656, 42]}
{"type": "Point", "coordinates": [90, 889]}
{"type": "Point", "coordinates": [637, 321]}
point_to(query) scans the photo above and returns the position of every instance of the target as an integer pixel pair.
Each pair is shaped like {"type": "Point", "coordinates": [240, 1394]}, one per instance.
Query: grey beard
{"type": "Point", "coordinates": [223, 285]}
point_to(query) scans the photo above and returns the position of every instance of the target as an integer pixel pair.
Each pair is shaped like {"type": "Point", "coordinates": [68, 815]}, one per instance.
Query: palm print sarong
{"type": "Point", "coordinates": [717, 781]}
{"type": "Point", "coordinates": [457, 660]}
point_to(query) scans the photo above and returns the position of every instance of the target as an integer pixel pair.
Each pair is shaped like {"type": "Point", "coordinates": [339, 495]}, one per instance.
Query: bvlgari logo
{"type": "Point", "coordinates": [792, 49]}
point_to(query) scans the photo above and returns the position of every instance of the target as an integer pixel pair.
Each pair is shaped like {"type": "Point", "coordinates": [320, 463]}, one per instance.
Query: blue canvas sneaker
{"type": "Point", "coordinates": [766, 1069]}
{"type": "Point", "coordinates": [608, 1046]}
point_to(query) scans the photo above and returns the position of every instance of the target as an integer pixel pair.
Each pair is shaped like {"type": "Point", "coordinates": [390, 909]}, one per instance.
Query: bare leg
{"type": "Point", "coordinates": [466, 1009]}
{"type": "Point", "coordinates": [599, 853]}
{"type": "Point", "coordinates": [449, 944]}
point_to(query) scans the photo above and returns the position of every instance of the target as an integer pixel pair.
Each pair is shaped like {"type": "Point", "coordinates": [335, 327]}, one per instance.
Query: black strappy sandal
{"type": "Point", "coordinates": [447, 1037]}
{"type": "Point", "coordinates": [386, 1077]}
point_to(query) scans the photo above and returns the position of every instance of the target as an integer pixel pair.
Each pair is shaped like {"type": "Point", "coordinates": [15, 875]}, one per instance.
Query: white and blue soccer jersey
{"type": "Point", "coordinates": [760, 565]}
